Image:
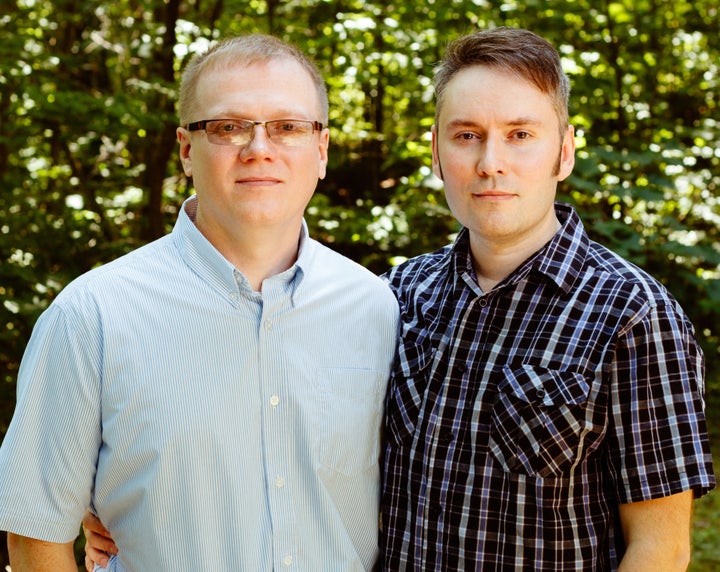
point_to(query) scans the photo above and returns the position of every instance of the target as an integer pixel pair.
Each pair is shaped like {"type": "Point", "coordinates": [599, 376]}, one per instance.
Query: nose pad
{"type": "Point", "coordinates": [259, 144]}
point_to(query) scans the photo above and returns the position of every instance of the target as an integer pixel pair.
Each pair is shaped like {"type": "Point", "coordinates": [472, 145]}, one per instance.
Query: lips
{"type": "Point", "coordinates": [494, 194]}
{"type": "Point", "coordinates": [258, 181]}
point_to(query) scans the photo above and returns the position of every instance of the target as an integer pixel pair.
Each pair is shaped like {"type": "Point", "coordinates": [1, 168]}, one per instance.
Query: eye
{"type": "Point", "coordinates": [521, 135]}
{"type": "Point", "coordinates": [227, 127]}
{"type": "Point", "coordinates": [289, 127]}
{"type": "Point", "coordinates": [466, 136]}
{"type": "Point", "coordinates": [221, 127]}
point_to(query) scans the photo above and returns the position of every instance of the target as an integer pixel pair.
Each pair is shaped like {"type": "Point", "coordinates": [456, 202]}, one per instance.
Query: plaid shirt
{"type": "Point", "coordinates": [518, 419]}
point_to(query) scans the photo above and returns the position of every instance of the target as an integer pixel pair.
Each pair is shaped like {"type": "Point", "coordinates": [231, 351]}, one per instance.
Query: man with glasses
{"type": "Point", "coordinates": [215, 396]}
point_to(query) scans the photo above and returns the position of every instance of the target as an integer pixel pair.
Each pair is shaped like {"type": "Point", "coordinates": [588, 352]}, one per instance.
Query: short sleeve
{"type": "Point", "coordinates": [658, 436]}
{"type": "Point", "coordinates": [49, 455]}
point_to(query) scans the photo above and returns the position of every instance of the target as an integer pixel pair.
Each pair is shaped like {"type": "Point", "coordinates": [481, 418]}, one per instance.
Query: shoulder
{"type": "Point", "coordinates": [151, 262]}
{"type": "Point", "coordinates": [333, 276]}
{"type": "Point", "coordinates": [632, 291]}
{"type": "Point", "coordinates": [327, 263]}
{"type": "Point", "coordinates": [423, 272]}
{"type": "Point", "coordinates": [627, 274]}
{"type": "Point", "coordinates": [591, 264]}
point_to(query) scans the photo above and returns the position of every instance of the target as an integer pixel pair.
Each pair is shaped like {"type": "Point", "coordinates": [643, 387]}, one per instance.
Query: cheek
{"type": "Point", "coordinates": [210, 171]}
{"type": "Point", "coordinates": [456, 168]}
{"type": "Point", "coordinates": [310, 167]}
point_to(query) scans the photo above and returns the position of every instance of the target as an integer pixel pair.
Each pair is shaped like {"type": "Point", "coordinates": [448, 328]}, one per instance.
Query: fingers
{"type": "Point", "coordinates": [92, 522]}
{"type": "Point", "coordinates": [95, 556]}
{"type": "Point", "coordinates": [98, 543]}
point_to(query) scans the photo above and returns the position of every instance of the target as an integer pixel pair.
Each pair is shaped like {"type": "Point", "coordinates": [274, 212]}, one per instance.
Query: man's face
{"type": "Point", "coordinates": [262, 184]}
{"type": "Point", "coordinates": [497, 147]}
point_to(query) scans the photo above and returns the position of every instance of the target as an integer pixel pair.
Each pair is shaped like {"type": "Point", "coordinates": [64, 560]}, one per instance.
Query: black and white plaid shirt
{"type": "Point", "coordinates": [518, 419]}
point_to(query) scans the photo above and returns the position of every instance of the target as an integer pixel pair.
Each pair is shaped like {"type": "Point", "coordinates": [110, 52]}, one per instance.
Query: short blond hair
{"type": "Point", "coordinates": [244, 50]}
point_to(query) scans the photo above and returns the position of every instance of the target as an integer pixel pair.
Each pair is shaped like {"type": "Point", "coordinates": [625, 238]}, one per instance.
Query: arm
{"type": "Point", "coordinates": [32, 555]}
{"type": "Point", "coordinates": [663, 446]}
{"type": "Point", "coordinates": [99, 542]}
{"type": "Point", "coordinates": [657, 534]}
{"type": "Point", "coordinates": [49, 454]}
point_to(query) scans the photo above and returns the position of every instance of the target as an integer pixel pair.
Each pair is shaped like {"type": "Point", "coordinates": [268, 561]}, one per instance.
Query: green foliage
{"type": "Point", "coordinates": [706, 534]}
{"type": "Point", "coordinates": [706, 520]}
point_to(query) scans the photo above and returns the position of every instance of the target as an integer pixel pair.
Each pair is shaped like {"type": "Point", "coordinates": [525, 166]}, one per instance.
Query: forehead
{"type": "Point", "coordinates": [260, 90]}
{"type": "Point", "coordinates": [488, 92]}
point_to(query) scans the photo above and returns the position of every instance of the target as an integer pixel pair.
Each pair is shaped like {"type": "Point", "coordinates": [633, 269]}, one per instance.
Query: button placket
{"type": "Point", "coordinates": [277, 419]}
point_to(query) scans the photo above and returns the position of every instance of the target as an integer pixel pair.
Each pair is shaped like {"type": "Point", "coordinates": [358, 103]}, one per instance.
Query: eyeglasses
{"type": "Point", "coordinates": [290, 132]}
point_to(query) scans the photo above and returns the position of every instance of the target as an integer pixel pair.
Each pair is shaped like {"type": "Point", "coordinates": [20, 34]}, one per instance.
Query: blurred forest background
{"type": "Point", "coordinates": [89, 168]}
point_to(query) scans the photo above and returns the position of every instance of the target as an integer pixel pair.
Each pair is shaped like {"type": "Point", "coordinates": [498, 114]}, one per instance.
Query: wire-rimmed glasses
{"type": "Point", "coordinates": [289, 132]}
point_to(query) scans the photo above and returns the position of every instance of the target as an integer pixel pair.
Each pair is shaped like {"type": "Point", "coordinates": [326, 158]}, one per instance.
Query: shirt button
{"type": "Point", "coordinates": [483, 303]}
{"type": "Point", "coordinates": [268, 325]}
{"type": "Point", "coordinates": [279, 482]}
{"type": "Point", "coordinates": [461, 367]}
{"type": "Point", "coordinates": [287, 561]}
{"type": "Point", "coordinates": [274, 401]}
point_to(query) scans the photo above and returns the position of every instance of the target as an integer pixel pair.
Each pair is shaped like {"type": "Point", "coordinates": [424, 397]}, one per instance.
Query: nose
{"type": "Point", "coordinates": [259, 147]}
{"type": "Point", "coordinates": [492, 158]}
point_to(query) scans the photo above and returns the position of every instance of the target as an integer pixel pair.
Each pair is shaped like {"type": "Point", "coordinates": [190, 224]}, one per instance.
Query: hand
{"type": "Point", "coordinates": [99, 545]}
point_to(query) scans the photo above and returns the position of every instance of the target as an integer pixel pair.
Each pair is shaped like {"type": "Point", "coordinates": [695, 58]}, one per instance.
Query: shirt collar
{"type": "Point", "coordinates": [461, 265]}
{"type": "Point", "coordinates": [207, 262]}
{"type": "Point", "coordinates": [561, 259]}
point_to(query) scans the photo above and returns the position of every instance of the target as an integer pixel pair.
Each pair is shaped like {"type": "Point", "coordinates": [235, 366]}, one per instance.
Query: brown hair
{"type": "Point", "coordinates": [247, 50]}
{"type": "Point", "coordinates": [511, 49]}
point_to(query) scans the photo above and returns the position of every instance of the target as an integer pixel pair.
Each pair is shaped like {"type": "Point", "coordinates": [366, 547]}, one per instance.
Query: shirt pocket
{"type": "Point", "coordinates": [538, 420]}
{"type": "Point", "coordinates": [350, 415]}
{"type": "Point", "coordinates": [408, 384]}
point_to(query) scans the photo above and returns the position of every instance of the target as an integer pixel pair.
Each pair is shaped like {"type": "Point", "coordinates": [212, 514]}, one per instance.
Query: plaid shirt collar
{"type": "Point", "coordinates": [560, 260]}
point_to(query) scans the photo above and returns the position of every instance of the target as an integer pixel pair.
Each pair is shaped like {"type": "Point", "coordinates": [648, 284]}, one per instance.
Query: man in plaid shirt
{"type": "Point", "coordinates": [546, 406]}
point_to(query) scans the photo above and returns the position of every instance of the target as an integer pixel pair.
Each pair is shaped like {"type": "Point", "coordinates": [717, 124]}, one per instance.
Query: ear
{"type": "Point", "coordinates": [183, 137]}
{"type": "Point", "coordinates": [323, 152]}
{"type": "Point", "coordinates": [436, 166]}
{"type": "Point", "coordinates": [567, 154]}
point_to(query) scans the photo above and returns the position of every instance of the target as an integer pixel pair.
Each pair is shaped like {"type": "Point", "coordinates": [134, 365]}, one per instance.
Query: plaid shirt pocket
{"type": "Point", "coordinates": [538, 420]}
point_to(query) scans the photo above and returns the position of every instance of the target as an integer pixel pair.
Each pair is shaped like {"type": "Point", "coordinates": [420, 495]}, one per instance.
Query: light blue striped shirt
{"type": "Point", "coordinates": [210, 426]}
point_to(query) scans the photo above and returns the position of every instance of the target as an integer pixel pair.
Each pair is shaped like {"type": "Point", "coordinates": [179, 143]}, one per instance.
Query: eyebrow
{"type": "Point", "coordinates": [284, 113]}
{"type": "Point", "coordinates": [517, 122]}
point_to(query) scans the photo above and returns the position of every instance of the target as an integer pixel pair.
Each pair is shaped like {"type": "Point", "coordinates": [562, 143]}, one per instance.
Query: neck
{"type": "Point", "coordinates": [494, 260]}
{"type": "Point", "coordinates": [493, 268]}
{"type": "Point", "coordinates": [259, 258]}
{"type": "Point", "coordinates": [259, 251]}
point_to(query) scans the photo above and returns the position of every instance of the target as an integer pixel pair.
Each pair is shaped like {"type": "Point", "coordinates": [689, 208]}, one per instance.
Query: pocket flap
{"type": "Point", "coordinates": [542, 386]}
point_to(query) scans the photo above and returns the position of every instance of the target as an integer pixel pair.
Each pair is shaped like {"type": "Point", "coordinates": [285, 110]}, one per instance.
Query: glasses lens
{"type": "Point", "coordinates": [290, 132]}
{"type": "Point", "coordinates": [229, 131]}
